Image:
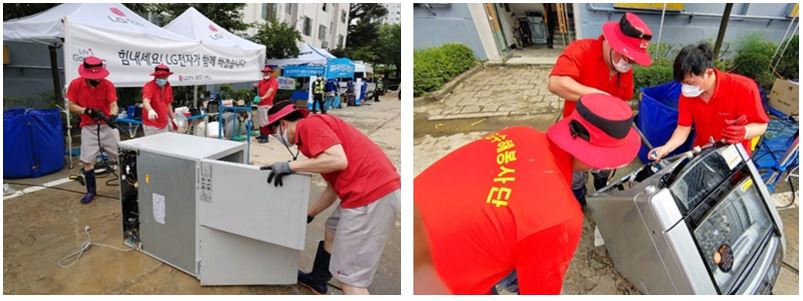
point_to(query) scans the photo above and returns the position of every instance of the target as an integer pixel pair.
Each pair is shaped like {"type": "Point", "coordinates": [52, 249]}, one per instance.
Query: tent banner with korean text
{"type": "Point", "coordinates": [131, 47]}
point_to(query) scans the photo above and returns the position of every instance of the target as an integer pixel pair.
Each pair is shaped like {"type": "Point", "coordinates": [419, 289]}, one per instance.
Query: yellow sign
{"type": "Point", "coordinates": [6, 56]}
{"type": "Point", "coordinates": [794, 11]}
{"type": "Point", "coordinates": [650, 6]}
{"type": "Point", "coordinates": [746, 185]}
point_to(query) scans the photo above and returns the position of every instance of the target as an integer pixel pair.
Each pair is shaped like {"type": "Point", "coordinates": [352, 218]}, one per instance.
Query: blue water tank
{"type": "Point", "coordinates": [33, 143]}
{"type": "Point", "coordinates": [658, 117]}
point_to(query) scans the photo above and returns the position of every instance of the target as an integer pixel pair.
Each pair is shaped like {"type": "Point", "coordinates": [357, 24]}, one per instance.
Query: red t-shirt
{"type": "Point", "coordinates": [369, 176]}
{"type": "Point", "coordinates": [501, 203]}
{"type": "Point", "coordinates": [584, 62]}
{"type": "Point", "coordinates": [160, 98]}
{"type": "Point", "coordinates": [263, 88]}
{"type": "Point", "coordinates": [98, 98]}
{"type": "Point", "coordinates": [734, 95]}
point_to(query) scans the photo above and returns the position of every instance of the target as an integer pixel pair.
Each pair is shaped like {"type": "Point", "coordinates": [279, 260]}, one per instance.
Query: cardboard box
{"type": "Point", "coordinates": [784, 96]}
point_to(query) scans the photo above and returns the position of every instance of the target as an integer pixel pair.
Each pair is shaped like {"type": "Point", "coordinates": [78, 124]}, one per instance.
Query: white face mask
{"type": "Point", "coordinates": [690, 90]}
{"type": "Point", "coordinates": [620, 66]}
{"type": "Point", "coordinates": [282, 136]}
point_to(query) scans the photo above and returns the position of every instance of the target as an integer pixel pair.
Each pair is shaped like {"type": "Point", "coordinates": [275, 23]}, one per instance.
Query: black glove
{"type": "Point", "coordinates": [90, 112]}
{"type": "Point", "coordinates": [277, 171]}
{"type": "Point", "coordinates": [310, 218]}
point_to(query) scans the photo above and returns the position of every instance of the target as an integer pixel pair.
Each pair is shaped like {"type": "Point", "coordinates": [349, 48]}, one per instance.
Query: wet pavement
{"type": "Point", "coordinates": [591, 270]}
{"type": "Point", "coordinates": [41, 227]}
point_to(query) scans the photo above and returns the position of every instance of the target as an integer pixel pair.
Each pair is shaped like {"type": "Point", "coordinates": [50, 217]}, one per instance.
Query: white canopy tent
{"type": "Point", "coordinates": [195, 26]}
{"type": "Point", "coordinates": [308, 54]}
{"type": "Point", "coordinates": [130, 46]}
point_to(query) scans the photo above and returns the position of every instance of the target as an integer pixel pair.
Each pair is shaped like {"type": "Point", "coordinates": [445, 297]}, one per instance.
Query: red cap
{"type": "Point", "coordinates": [161, 70]}
{"type": "Point", "coordinates": [93, 68]}
{"type": "Point", "coordinates": [599, 132]}
{"type": "Point", "coordinates": [284, 111]}
{"type": "Point", "coordinates": [629, 37]}
{"type": "Point", "coordinates": [267, 69]}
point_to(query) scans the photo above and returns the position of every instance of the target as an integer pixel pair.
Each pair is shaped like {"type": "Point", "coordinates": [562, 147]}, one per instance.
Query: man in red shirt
{"type": "Point", "coordinates": [266, 89]}
{"type": "Point", "coordinates": [722, 106]}
{"type": "Point", "coordinates": [504, 202]}
{"type": "Point", "coordinates": [356, 171]}
{"type": "Point", "coordinates": [601, 65]}
{"type": "Point", "coordinates": [157, 102]}
{"type": "Point", "coordinates": [95, 99]}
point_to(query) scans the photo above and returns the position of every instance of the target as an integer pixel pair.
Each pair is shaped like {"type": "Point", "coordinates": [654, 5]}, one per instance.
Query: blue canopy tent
{"type": "Point", "coordinates": [336, 69]}
{"type": "Point", "coordinates": [313, 61]}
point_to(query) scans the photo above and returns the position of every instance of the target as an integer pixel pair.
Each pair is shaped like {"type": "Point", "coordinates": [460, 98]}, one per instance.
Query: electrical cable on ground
{"type": "Point", "coordinates": [790, 267]}
{"type": "Point", "coordinates": [63, 263]}
{"type": "Point", "coordinates": [62, 189]}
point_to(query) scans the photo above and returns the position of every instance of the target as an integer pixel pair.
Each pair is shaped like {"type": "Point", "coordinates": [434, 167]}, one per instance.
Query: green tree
{"type": "Point", "coordinates": [226, 15]}
{"type": "Point", "coordinates": [388, 48]}
{"type": "Point", "coordinates": [19, 10]}
{"type": "Point", "coordinates": [281, 40]}
{"type": "Point", "coordinates": [364, 22]}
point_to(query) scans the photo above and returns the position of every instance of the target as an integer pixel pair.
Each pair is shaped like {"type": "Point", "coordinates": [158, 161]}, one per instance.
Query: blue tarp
{"type": "Point", "coordinates": [340, 68]}
{"type": "Point", "coordinates": [658, 117]}
{"type": "Point", "coordinates": [33, 143]}
{"type": "Point", "coordinates": [776, 141]}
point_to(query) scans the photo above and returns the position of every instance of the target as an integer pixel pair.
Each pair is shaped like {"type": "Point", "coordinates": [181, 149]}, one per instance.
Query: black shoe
{"type": "Point", "coordinates": [89, 177]}
{"type": "Point", "coordinates": [600, 183]}
{"type": "Point", "coordinates": [580, 195]}
{"type": "Point", "coordinates": [317, 279]}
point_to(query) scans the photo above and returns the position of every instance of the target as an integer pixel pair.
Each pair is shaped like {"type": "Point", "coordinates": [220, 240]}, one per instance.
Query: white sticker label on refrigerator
{"type": "Point", "coordinates": [159, 208]}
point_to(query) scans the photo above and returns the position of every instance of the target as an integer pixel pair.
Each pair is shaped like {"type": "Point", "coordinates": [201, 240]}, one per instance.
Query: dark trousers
{"type": "Point", "coordinates": [318, 102]}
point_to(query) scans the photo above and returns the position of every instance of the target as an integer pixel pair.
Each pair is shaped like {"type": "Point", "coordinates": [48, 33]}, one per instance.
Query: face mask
{"type": "Point", "coordinates": [94, 82]}
{"type": "Point", "coordinates": [621, 66]}
{"type": "Point", "coordinates": [266, 77]}
{"type": "Point", "coordinates": [690, 90]}
{"type": "Point", "coordinates": [285, 141]}
{"type": "Point", "coordinates": [161, 82]}
{"type": "Point", "coordinates": [281, 135]}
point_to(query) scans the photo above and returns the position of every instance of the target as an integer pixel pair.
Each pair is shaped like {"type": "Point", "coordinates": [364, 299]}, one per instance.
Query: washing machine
{"type": "Point", "coordinates": [700, 223]}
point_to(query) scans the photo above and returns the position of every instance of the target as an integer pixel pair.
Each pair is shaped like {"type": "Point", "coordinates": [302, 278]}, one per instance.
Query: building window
{"type": "Point", "coordinates": [343, 17]}
{"type": "Point", "coordinates": [321, 32]}
{"type": "Point", "coordinates": [269, 11]}
{"type": "Point", "coordinates": [323, 7]}
{"type": "Point", "coordinates": [340, 41]}
{"type": "Point", "coordinates": [325, 44]}
{"type": "Point", "coordinates": [288, 9]}
{"type": "Point", "coordinates": [307, 26]}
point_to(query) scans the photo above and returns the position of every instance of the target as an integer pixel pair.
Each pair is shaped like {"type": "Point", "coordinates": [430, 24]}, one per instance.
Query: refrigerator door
{"type": "Point", "coordinates": [250, 232]}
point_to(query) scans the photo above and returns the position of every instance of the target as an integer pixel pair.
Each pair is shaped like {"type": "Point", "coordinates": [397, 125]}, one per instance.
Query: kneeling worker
{"type": "Point", "coordinates": [356, 171]}
{"type": "Point", "coordinates": [505, 202]}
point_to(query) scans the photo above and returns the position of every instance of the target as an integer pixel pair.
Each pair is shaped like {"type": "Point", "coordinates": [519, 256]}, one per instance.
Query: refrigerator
{"type": "Point", "coordinates": [192, 203]}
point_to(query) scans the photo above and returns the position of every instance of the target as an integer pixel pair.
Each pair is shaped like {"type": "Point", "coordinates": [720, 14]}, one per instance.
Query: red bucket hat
{"type": "Point", "coordinates": [629, 37]}
{"type": "Point", "coordinates": [93, 68]}
{"type": "Point", "coordinates": [267, 69]}
{"type": "Point", "coordinates": [599, 132]}
{"type": "Point", "coordinates": [281, 113]}
{"type": "Point", "coordinates": [161, 70]}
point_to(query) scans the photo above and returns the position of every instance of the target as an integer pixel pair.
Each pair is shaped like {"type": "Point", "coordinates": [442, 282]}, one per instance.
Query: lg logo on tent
{"type": "Point", "coordinates": [121, 18]}
{"type": "Point", "coordinates": [214, 36]}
